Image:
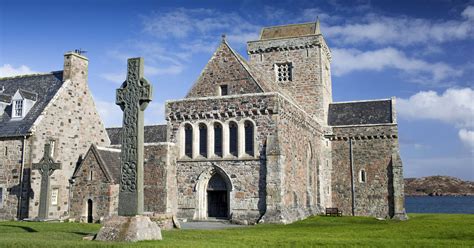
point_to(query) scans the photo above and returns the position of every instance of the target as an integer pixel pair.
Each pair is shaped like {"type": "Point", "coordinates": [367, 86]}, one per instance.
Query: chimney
{"type": "Point", "coordinates": [75, 66]}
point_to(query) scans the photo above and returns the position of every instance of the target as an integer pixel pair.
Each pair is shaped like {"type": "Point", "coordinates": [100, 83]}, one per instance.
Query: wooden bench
{"type": "Point", "coordinates": [333, 212]}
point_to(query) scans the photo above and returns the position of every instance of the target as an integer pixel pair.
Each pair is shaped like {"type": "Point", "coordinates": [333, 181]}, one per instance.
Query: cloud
{"type": "Point", "coordinates": [454, 106]}
{"type": "Point", "coordinates": [117, 78]}
{"type": "Point", "coordinates": [349, 60]}
{"type": "Point", "coordinates": [467, 137]}
{"type": "Point", "coordinates": [112, 115]}
{"type": "Point", "coordinates": [402, 31]}
{"type": "Point", "coordinates": [8, 70]}
{"type": "Point", "coordinates": [155, 113]}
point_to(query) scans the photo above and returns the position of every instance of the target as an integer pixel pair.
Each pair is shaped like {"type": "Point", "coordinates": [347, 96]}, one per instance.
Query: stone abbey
{"type": "Point", "coordinates": [257, 140]}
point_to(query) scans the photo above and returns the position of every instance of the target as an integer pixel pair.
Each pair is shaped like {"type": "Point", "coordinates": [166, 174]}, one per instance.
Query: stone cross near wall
{"type": "Point", "coordinates": [132, 97]}
{"type": "Point", "coordinates": [46, 167]}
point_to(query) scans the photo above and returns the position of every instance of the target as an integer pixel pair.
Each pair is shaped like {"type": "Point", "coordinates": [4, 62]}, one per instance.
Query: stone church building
{"type": "Point", "coordinates": [257, 140]}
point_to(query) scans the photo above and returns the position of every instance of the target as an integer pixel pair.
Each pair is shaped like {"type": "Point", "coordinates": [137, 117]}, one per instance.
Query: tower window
{"type": "Point", "coordinates": [233, 139]}
{"type": "Point", "coordinates": [203, 140]}
{"type": "Point", "coordinates": [224, 90]}
{"type": "Point", "coordinates": [283, 72]}
{"type": "Point", "coordinates": [248, 127]}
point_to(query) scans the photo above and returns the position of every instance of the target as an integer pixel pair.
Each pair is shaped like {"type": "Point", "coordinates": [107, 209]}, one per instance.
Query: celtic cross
{"type": "Point", "coordinates": [46, 167]}
{"type": "Point", "coordinates": [132, 97]}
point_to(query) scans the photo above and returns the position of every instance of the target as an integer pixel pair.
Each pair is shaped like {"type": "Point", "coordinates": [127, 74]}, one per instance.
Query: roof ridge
{"type": "Point", "coordinates": [30, 75]}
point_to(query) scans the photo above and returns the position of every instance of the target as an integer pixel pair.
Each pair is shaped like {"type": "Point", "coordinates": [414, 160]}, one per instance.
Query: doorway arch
{"type": "Point", "coordinates": [213, 183]}
{"type": "Point", "coordinates": [90, 218]}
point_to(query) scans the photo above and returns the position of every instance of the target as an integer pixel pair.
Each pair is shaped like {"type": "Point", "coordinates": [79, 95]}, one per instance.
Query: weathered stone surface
{"type": "Point", "coordinates": [129, 229]}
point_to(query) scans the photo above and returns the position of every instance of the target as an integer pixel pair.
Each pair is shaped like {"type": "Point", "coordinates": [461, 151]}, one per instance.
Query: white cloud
{"type": "Point", "coordinates": [117, 78]}
{"type": "Point", "coordinates": [402, 31]}
{"type": "Point", "coordinates": [348, 60]}
{"type": "Point", "coordinates": [467, 137]}
{"type": "Point", "coordinates": [110, 113]}
{"type": "Point", "coordinates": [8, 70]}
{"type": "Point", "coordinates": [454, 106]}
{"type": "Point", "coordinates": [155, 113]}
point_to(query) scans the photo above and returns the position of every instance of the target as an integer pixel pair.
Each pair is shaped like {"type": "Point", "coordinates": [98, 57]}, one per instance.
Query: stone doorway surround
{"type": "Point", "coordinates": [201, 212]}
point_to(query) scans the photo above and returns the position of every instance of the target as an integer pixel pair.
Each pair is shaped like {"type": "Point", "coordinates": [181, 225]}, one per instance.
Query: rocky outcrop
{"type": "Point", "coordinates": [438, 186]}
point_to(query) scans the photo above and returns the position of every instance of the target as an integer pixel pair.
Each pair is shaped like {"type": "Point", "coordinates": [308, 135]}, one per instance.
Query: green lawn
{"type": "Point", "coordinates": [444, 230]}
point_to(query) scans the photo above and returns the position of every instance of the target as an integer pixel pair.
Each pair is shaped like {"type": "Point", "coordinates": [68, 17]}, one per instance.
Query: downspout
{"type": "Point", "coordinates": [20, 196]}
{"type": "Point", "coordinates": [351, 158]}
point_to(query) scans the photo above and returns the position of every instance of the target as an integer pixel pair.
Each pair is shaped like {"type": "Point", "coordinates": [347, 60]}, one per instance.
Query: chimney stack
{"type": "Point", "coordinates": [75, 66]}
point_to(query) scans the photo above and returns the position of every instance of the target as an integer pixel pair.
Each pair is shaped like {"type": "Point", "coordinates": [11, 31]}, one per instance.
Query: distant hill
{"type": "Point", "coordinates": [438, 186]}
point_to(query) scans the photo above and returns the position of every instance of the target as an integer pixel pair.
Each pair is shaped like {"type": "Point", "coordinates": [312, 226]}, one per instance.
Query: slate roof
{"type": "Point", "coordinates": [287, 31]}
{"type": "Point", "coordinates": [111, 161]}
{"type": "Point", "coordinates": [44, 86]}
{"type": "Point", "coordinates": [152, 134]}
{"type": "Point", "coordinates": [360, 113]}
{"type": "Point", "coordinates": [5, 98]}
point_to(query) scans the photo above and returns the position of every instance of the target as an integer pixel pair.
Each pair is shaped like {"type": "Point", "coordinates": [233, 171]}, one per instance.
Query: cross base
{"type": "Point", "coordinates": [129, 229]}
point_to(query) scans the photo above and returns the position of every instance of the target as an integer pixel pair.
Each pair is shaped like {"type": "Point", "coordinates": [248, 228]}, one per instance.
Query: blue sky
{"type": "Point", "coordinates": [421, 52]}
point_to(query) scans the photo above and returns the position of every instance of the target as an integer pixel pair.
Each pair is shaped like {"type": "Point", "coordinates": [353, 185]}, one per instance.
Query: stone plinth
{"type": "Point", "coordinates": [129, 229]}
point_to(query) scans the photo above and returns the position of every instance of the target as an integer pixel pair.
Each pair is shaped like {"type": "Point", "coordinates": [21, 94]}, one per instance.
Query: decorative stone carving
{"type": "Point", "coordinates": [46, 167]}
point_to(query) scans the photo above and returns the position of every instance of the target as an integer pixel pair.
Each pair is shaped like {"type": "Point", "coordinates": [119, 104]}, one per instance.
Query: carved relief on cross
{"type": "Point", "coordinates": [133, 98]}
{"type": "Point", "coordinates": [46, 167]}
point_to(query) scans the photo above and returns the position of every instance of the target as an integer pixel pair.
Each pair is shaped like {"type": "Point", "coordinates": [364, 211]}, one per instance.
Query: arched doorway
{"type": "Point", "coordinates": [217, 197]}
{"type": "Point", "coordinates": [90, 219]}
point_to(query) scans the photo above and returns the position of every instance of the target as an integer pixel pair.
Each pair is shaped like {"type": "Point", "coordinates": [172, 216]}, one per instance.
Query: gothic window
{"type": "Point", "coordinates": [188, 140]}
{"type": "Point", "coordinates": [203, 140]}
{"type": "Point", "coordinates": [362, 176]}
{"type": "Point", "coordinates": [218, 139]}
{"type": "Point", "coordinates": [18, 109]}
{"type": "Point", "coordinates": [233, 138]}
{"type": "Point", "coordinates": [248, 126]}
{"type": "Point", "coordinates": [283, 72]}
{"type": "Point", "coordinates": [224, 90]}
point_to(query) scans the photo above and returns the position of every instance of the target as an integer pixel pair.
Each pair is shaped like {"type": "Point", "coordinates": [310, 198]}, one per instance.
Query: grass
{"type": "Point", "coordinates": [426, 230]}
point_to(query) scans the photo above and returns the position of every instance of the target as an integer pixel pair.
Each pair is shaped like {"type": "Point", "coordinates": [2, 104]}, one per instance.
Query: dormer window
{"type": "Point", "coordinates": [18, 108]}
{"type": "Point", "coordinates": [283, 72]}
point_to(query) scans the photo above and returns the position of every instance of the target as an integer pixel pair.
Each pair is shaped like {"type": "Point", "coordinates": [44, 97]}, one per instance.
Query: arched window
{"type": "Point", "coordinates": [362, 176]}
{"type": "Point", "coordinates": [188, 140]}
{"type": "Point", "coordinates": [203, 140]}
{"type": "Point", "coordinates": [218, 139]}
{"type": "Point", "coordinates": [248, 126]}
{"type": "Point", "coordinates": [233, 138]}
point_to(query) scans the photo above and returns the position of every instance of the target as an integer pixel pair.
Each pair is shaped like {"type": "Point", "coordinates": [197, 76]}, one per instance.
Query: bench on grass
{"type": "Point", "coordinates": [333, 212]}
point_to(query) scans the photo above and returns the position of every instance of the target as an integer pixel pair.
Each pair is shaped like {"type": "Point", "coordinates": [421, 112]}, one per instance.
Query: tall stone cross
{"type": "Point", "coordinates": [46, 167]}
{"type": "Point", "coordinates": [132, 97]}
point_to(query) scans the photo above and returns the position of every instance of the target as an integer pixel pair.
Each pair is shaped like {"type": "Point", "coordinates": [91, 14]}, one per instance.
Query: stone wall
{"type": "Point", "coordinates": [72, 121]}
{"type": "Point", "coordinates": [100, 189]}
{"type": "Point", "coordinates": [224, 68]}
{"type": "Point", "coordinates": [10, 167]}
{"type": "Point", "coordinates": [310, 61]}
{"type": "Point", "coordinates": [373, 149]}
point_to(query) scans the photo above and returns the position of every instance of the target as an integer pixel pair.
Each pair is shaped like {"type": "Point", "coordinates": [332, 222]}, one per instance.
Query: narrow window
{"type": "Point", "coordinates": [90, 174]}
{"type": "Point", "coordinates": [248, 125]}
{"type": "Point", "coordinates": [224, 90]}
{"type": "Point", "coordinates": [233, 138]}
{"type": "Point", "coordinates": [362, 176]}
{"type": "Point", "coordinates": [6, 151]}
{"type": "Point", "coordinates": [218, 139]}
{"type": "Point", "coordinates": [283, 72]}
{"type": "Point", "coordinates": [1, 197]}
{"type": "Point", "coordinates": [18, 112]}
{"type": "Point", "coordinates": [203, 140]}
{"type": "Point", "coordinates": [54, 196]}
{"type": "Point", "coordinates": [188, 140]}
{"type": "Point", "coordinates": [51, 145]}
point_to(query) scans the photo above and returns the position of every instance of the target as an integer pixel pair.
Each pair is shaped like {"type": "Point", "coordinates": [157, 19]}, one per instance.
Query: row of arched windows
{"type": "Point", "coordinates": [219, 140]}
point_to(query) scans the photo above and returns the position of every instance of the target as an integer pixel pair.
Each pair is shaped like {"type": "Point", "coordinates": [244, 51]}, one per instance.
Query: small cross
{"type": "Point", "coordinates": [46, 167]}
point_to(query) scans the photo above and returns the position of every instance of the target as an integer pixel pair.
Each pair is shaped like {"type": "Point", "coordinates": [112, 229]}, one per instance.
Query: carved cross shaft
{"type": "Point", "coordinates": [46, 167]}
{"type": "Point", "coordinates": [132, 97]}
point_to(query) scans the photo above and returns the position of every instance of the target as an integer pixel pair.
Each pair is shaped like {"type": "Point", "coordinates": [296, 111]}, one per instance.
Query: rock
{"type": "Point", "coordinates": [129, 229]}
{"type": "Point", "coordinates": [176, 222]}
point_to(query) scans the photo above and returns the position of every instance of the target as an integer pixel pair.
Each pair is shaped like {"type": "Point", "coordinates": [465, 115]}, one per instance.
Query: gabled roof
{"type": "Point", "coordinates": [152, 134]}
{"type": "Point", "coordinates": [108, 160]}
{"type": "Point", "coordinates": [360, 113]}
{"type": "Point", "coordinates": [45, 86]}
{"type": "Point", "coordinates": [293, 30]}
